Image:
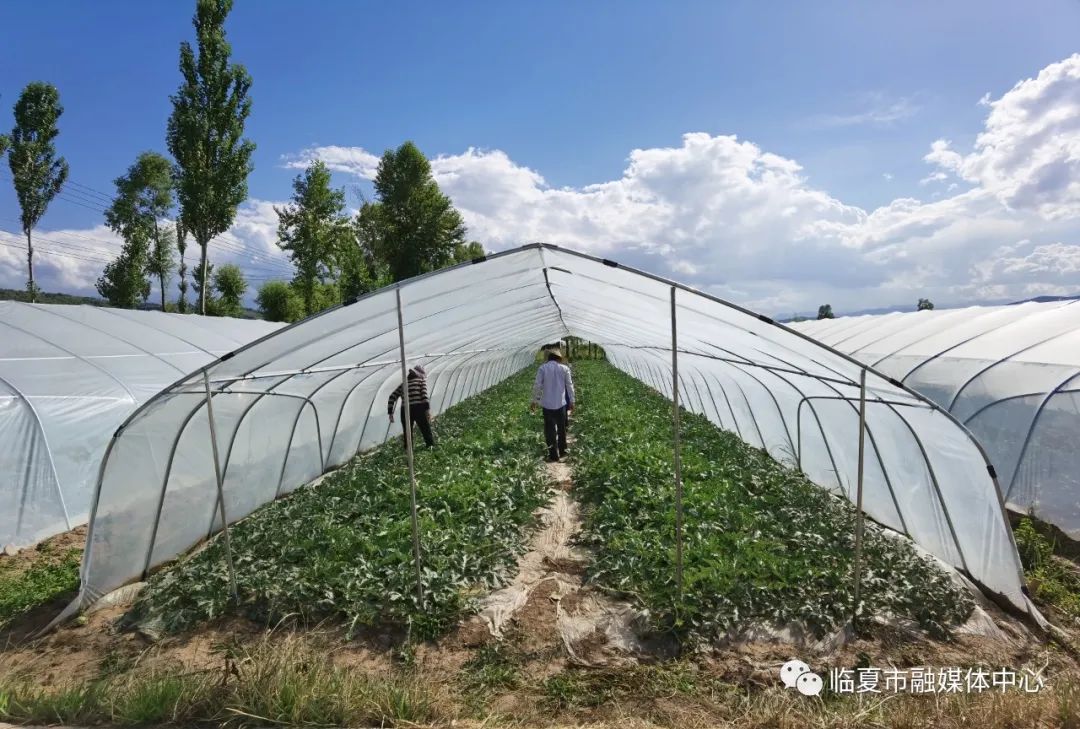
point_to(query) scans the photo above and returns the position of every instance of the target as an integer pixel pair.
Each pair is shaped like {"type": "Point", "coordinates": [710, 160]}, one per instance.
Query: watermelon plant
{"type": "Point", "coordinates": [344, 548]}
{"type": "Point", "coordinates": [763, 545]}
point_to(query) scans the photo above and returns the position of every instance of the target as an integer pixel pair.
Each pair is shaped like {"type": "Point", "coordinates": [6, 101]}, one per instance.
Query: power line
{"type": "Point", "coordinates": [49, 251]}
{"type": "Point", "coordinates": [225, 240]}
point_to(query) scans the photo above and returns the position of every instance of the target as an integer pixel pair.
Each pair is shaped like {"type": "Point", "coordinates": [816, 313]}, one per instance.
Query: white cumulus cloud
{"type": "Point", "coordinates": [1028, 154]}
{"type": "Point", "coordinates": [732, 218]}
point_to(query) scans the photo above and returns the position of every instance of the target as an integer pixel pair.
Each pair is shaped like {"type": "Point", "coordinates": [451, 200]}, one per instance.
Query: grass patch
{"type": "Point", "coordinates": [1054, 580]}
{"type": "Point", "coordinates": [763, 544]}
{"type": "Point", "coordinates": [52, 574]}
{"type": "Point", "coordinates": [590, 688]}
{"type": "Point", "coordinates": [274, 681]}
{"type": "Point", "coordinates": [344, 549]}
{"type": "Point", "coordinates": [495, 669]}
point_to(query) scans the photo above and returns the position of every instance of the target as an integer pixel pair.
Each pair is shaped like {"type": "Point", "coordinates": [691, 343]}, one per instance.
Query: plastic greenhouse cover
{"type": "Point", "coordinates": [69, 375]}
{"type": "Point", "coordinates": [307, 398]}
{"type": "Point", "coordinates": [1010, 374]}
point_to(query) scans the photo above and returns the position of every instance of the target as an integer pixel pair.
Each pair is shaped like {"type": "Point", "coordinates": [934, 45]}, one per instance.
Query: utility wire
{"type": "Point", "coordinates": [226, 241]}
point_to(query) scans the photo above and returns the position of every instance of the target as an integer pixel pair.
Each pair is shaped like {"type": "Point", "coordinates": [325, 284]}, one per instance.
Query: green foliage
{"type": "Point", "coordinates": [278, 302]}
{"type": "Point", "coordinates": [925, 305]}
{"type": "Point", "coordinates": [1054, 580]}
{"type": "Point", "coordinates": [361, 273]}
{"type": "Point", "coordinates": [412, 227]}
{"type": "Point", "coordinates": [763, 545]}
{"type": "Point", "coordinates": [493, 669]}
{"type": "Point", "coordinates": [123, 282]}
{"type": "Point", "coordinates": [206, 129]}
{"type": "Point", "coordinates": [22, 590]}
{"type": "Point", "coordinates": [344, 549]}
{"type": "Point", "coordinates": [143, 197]}
{"type": "Point", "coordinates": [465, 252]}
{"type": "Point", "coordinates": [825, 312]}
{"type": "Point", "coordinates": [181, 248]}
{"type": "Point", "coordinates": [315, 232]}
{"type": "Point", "coordinates": [230, 285]}
{"type": "Point", "coordinates": [38, 173]}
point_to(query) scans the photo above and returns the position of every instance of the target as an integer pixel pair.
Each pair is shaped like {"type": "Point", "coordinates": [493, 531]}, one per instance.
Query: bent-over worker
{"type": "Point", "coordinates": [419, 407]}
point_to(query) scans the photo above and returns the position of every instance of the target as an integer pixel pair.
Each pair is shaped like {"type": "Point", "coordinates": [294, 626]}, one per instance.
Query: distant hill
{"type": "Point", "coordinates": [891, 309]}
{"type": "Point", "coordinates": [1046, 299]}
{"type": "Point", "coordinates": [47, 298]}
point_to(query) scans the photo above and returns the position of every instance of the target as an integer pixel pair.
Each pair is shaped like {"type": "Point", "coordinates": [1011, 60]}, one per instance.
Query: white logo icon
{"type": "Point", "coordinates": [809, 684]}
{"type": "Point", "coordinates": [796, 674]}
{"type": "Point", "coordinates": [791, 671]}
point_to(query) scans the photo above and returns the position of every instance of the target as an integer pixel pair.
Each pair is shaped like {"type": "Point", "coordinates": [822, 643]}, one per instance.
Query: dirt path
{"type": "Point", "coordinates": [548, 606]}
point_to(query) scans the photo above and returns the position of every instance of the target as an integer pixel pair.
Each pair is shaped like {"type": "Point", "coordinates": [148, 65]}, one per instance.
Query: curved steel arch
{"type": "Point", "coordinates": [764, 329]}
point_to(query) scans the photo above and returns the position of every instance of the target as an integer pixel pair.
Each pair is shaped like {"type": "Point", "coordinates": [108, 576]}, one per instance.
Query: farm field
{"type": "Point", "coordinates": [763, 545]}
{"type": "Point", "coordinates": [328, 630]}
{"type": "Point", "coordinates": [344, 549]}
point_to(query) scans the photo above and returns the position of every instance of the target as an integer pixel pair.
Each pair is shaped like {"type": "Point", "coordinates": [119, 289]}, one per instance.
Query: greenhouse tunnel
{"type": "Point", "coordinates": [69, 375]}
{"type": "Point", "coordinates": [1011, 374]}
{"type": "Point", "coordinates": [307, 398]}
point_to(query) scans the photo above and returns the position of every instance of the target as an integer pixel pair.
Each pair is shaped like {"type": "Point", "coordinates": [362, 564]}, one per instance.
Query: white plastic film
{"type": "Point", "coordinates": [312, 395]}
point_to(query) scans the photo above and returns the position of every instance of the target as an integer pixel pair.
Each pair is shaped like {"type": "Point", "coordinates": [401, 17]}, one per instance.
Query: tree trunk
{"type": "Point", "coordinates": [202, 277]}
{"type": "Point", "coordinates": [181, 303]}
{"type": "Point", "coordinates": [31, 286]}
{"type": "Point", "coordinates": [161, 280]}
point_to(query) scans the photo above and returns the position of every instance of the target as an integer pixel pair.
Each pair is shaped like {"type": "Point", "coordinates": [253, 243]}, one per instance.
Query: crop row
{"type": "Point", "coordinates": [344, 548]}
{"type": "Point", "coordinates": [763, 545]}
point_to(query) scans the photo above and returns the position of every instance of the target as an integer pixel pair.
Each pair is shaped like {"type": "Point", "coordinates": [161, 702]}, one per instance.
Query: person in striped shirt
{"type": "Point", "coordinates": [419, 407]}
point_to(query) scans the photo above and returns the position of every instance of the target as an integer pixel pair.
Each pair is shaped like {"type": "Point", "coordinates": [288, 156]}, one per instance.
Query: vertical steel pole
{"type": "Point", "coordinates": [859, 494]}
{"type": "Point", "coordinates": [407, 425]}
{"type": "Point", "coordinates": [220, 486]}
{"type": "Point", "coordinates": [678, 455]}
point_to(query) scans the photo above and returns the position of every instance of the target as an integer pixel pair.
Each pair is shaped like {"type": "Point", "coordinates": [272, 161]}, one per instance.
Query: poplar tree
{"type": "Point", "coordinates": [38, 173]}
{"type": "Point", "coordinates": [206, 133]}
{"type": "Point", "coordinates": [316, 234]}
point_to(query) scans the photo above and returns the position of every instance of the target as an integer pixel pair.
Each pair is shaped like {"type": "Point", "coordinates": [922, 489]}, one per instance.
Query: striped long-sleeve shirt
{"type": "Point", "coordinates": [417, 393]}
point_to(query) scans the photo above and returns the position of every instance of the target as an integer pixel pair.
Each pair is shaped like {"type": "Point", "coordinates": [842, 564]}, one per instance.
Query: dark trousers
{"type": "Point", "coordinates": [555, 431]}
{"type": "Point", "coordinates": [418, 414]}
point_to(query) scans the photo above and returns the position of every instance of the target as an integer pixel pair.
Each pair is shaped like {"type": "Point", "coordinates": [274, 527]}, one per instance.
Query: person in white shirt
{"type": "Point", "coordinates": [554, 392]}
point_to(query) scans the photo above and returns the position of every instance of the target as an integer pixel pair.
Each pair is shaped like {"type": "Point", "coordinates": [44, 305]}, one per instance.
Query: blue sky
{"type": "Point", "coordinates": [853, 92]}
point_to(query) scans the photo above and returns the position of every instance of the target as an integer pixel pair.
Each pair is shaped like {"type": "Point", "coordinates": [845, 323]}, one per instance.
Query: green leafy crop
{"type": "Point", "coordinates": [763, 545]}
{"type": "Point", "coordinates": [344, 548]}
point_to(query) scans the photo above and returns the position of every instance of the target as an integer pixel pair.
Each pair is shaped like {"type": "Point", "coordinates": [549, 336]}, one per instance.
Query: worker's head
{"type": "Point", "coordinates": [419, 370]}
{"type": "Point", "coordinates": [554, 355]}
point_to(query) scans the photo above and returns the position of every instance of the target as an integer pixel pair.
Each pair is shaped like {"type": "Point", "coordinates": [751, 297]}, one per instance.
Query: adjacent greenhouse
{"type": "Point", "coordinates": [277, 413]}
{"type": "Point", "coordinates": [69, 375]}
{"type": "Point", "coordinates": [1011, 374]}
